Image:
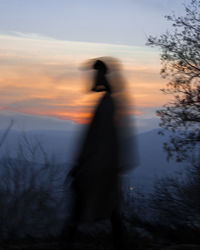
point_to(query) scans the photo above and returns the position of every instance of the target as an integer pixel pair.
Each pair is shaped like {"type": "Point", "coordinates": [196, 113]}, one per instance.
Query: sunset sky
{"type": "Point", "coordinates": [44, 43]}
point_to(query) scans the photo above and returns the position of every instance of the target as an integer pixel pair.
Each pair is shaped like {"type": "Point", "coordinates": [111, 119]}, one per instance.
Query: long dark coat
{"type": "Point", "coordinates": [95, 176]}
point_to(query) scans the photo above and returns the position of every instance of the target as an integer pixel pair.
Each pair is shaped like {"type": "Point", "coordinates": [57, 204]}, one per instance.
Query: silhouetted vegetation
{"type": "Point", "coordinates": [180, 59]}
{"type": "Point", "coordinates": [175, 201]}
{"type": "Point", "coordinates": [30, 194]}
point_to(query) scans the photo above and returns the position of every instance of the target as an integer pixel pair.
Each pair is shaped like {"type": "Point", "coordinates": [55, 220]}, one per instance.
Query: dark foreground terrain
{"type": "Point", "coordinates": [98, 239]}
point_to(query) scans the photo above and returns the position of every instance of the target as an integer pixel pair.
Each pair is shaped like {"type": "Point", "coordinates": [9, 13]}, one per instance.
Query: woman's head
{"type": "Point", "coordinates": [100, 81]}
{"type": "Point", "coordinates": [99, 65]}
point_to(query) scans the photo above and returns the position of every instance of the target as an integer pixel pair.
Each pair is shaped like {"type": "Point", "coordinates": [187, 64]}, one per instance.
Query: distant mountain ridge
{"type": "Point", "coordinates": [33, 122]}
{"type": "Point", "coordinates": [24, 122]}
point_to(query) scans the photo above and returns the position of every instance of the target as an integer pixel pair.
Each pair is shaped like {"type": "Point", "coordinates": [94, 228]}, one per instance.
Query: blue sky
{"type": "Point", "coordinates": [107, 21]}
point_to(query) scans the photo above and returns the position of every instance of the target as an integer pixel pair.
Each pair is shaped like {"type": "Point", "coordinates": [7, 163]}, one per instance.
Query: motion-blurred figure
{"type": "Point", "coordinates": [103, 156]}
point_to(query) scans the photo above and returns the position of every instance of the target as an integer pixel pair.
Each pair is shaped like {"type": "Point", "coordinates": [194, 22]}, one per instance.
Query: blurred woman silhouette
{"type": "Point", "coordinates": [103, 156]}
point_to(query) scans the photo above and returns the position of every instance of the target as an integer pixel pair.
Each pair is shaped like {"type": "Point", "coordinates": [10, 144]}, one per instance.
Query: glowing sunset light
{"type": "Point", "coordinates": [43, 76]}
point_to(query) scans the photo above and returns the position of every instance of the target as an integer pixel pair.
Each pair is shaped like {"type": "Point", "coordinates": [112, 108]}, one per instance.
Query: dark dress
{"type": "Point", "coordinates": [95, 176]}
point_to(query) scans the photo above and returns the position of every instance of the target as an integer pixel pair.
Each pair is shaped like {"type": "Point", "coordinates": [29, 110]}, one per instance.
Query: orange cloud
{"type": "Point", "coordinates": [42, 77]}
